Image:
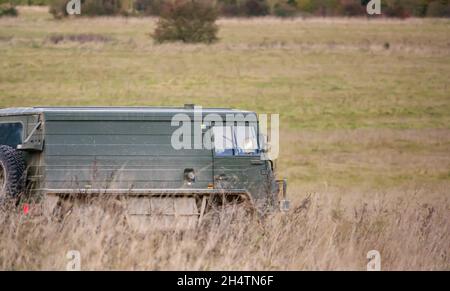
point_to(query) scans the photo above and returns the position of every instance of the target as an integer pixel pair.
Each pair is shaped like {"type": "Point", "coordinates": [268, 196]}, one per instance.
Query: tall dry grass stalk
{"type": "Point", "coordinates": [319, 233]}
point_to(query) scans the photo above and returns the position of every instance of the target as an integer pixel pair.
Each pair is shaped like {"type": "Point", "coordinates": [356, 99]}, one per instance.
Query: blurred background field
{"type": "Point", "coordinates": [364, 104]}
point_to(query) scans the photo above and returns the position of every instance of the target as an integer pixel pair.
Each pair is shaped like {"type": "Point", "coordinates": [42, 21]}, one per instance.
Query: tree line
{"type": "Point", "coordinates": [252, 8]}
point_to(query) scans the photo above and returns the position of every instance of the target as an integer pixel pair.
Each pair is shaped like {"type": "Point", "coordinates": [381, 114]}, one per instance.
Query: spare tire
{"type": "Point", "coordinates": [12, 172]}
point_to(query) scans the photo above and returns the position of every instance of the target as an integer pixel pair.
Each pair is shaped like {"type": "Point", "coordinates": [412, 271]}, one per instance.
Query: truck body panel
{"type": "Point", "coordinates": [130, 151]}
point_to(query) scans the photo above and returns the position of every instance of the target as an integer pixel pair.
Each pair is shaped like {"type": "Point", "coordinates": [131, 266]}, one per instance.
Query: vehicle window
{"type": "Point", "coordinates": [235, 140]}
{"type": "Point", "coordinates": [246, 142]}
{"type": "Point", "coordinates": [11, 134]}
{"type": "Point", "coordinates": [223, 140]}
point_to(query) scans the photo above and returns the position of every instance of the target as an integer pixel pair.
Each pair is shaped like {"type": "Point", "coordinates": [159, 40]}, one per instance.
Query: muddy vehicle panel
{"type": "Point", "coordinates": [129, 152]}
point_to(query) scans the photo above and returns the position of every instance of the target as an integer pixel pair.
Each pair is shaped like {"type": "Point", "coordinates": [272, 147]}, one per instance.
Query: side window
{"type": "Point", "coordinates": [235, 140]}
{"type": "Point", "coordinates": [223, 140]}
{"type": "Point", "coordinates": [11, 134]}
{"type": "Point", "coordinates": [246, 141]}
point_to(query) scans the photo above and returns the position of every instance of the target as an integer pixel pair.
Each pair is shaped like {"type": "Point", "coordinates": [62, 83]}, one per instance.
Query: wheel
{"type": "Point", "coordinates": [12, 173]}
{"type": "Point", "coordinates": [228, 213]}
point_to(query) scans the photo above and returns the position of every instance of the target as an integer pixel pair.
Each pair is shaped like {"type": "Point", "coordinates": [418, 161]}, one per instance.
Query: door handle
{"type": "Point", "coordinates": [256, 162]}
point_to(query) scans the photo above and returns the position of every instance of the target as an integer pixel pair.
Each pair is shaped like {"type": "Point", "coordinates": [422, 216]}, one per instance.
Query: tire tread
{"type": "Point", "coordinates": [15, 170]}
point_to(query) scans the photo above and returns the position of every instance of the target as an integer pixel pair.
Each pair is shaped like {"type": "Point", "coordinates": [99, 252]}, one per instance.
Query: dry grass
{"type": "Point", "coordinates": [318, 234]}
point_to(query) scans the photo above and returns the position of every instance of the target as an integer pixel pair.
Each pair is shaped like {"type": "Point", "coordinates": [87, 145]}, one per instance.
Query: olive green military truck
{"type": "Point", "coordinates": [169, 158]}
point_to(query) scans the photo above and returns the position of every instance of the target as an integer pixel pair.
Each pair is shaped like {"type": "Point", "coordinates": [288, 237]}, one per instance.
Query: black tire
{"type": "Point", "coordinates": [12, 173]}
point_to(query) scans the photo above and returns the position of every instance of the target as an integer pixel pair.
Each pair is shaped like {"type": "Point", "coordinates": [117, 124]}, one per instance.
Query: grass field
{"type": "Point", "coordinates": [364, 108]}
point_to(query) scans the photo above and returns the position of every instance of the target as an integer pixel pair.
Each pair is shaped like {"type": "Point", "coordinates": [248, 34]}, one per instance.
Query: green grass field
{"type": "Point", "coordinates": [362, 103]}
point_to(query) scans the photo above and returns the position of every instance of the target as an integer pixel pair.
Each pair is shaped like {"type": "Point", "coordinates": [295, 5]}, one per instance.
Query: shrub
{"type": "Point", "coordinates": [101, 7]}
{"type": "Point", "coordinates": [352, 9]}
{"type": "Point", "coordinates": [284, 9]}
{"type": "Point", "coordinates": [438, 9]}
{"type": "Point", "coordinates": [230, 8]}
{"type": "Point", "coordinates": [7, 9]}
{"type": "Point", "coordinates": [189, 21]}
{"type": "Point", "coordinates": [256, 8]}
{"type": "Point", "coordinates": [58, 8]}
{"type": "Point", "coordinates": [399, 8]}
{"type": "Point", "coordinates": [31, 2]}
{"type": "Point", "coordinates": [243, 7]}
{"type": "Point", "coordinates": [149, 7]}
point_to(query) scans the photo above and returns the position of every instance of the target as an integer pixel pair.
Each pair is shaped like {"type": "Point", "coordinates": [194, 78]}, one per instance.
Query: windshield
{"type": "Point", "coordinates": [246, 142]}
{"type": "Point", "coordinates": [223, 140]}
{"type": "Point", "coordinates": [235, 140]}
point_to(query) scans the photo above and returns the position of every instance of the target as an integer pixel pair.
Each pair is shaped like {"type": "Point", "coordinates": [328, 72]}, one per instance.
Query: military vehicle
{"type": "Point", "coordinates": [50, 153]}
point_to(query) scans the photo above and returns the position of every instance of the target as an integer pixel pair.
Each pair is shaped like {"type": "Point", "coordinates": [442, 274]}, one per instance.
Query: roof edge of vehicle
{"type": "Point", "coordinates": [17, 111]}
